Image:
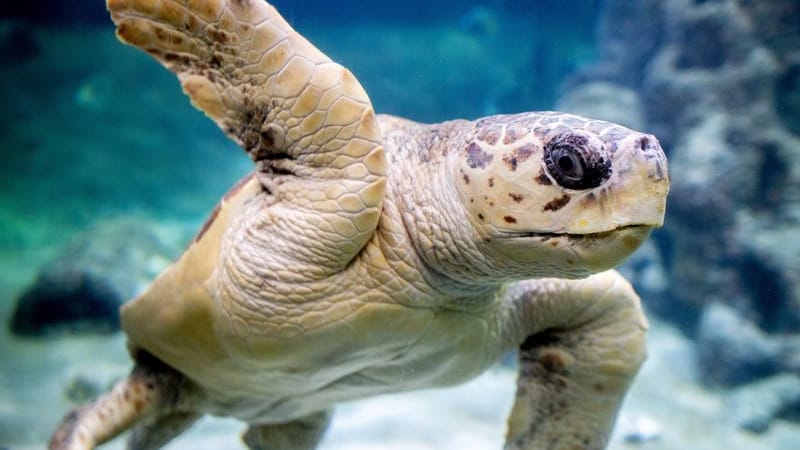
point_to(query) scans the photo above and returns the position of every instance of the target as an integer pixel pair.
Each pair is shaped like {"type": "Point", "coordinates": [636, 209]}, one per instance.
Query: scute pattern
{"type": "Point", "coordinates": [297, 114]}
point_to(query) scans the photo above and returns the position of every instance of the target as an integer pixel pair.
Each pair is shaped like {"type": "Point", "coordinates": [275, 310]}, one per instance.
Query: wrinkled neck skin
{"type": "Point", "coordinates": [423, 200]}
{"type": "Point", "coordinates": [421, 255]}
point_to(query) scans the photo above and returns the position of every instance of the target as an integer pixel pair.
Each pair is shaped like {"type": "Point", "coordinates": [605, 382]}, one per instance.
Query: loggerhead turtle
{"type": "Point", "coordinates": [370, 254]}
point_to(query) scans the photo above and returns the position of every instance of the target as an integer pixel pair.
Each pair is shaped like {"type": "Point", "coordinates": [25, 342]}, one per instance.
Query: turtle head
{"type": "Point", "coordinates": [565, 195]}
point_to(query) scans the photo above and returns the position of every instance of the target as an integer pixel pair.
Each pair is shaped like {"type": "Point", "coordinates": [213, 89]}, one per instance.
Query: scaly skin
{"type": "Point", "coordinates": [325, 277]}
{"type": "Point", "coordinates": [304, 120]}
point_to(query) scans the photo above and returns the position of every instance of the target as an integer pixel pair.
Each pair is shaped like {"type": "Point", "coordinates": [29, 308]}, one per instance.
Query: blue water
{"type": "Point", "coordinates": [109, 130]}
{"type": "Point", "coordinates": [93, 130]}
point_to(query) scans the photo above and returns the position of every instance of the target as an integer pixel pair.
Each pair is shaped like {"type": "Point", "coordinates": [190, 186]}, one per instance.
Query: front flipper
{"type": "Point", "coordinates": [585, 343]}
{"type": "Point", "coordinates": [304, 120]}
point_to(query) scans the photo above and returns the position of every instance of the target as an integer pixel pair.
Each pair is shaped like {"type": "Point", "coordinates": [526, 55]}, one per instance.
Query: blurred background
{"type": "Point", "coordinates": [106, 172]}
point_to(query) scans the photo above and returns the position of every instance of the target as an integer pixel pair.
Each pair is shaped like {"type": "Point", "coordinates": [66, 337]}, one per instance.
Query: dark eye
{"type": "Point", "coordinates": [575, 163]}
{"type": "Point", "coordinates": [569, 163]}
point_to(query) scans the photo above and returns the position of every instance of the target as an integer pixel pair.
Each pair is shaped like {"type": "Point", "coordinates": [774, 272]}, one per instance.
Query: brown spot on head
{"type": "Point", "coordinates": [644, 143]}
{"type": "Point", "coordinates": [489, 131]}
{"type": "Point", "coordinates": [518, 156]}
{"type": "Point", "coordinates": [480, 216]}
{"type": "Point", "coordinates": [557, 203]}
{"type": "Point", "coordinates": [511, 136]}
{"type": "Point", "coordinates": [491, 181]}
{"type": "Point", "coordinates": [477, 157]}
{"type": "Point", "coordinates": [510, 219]}
{"type": "Point", "coordinates": [511, 162]}
{"type": "Point", "coordinates": [466, 178]}
{"type": "Point", "coordinates": [516, 197]}
{"type": "Point", "coordinates": [543, 179]}
{"type": "Point", "coordinates": [517, 130]}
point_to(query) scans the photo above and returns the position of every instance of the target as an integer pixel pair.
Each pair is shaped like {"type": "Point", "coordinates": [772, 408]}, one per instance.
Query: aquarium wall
{"type": "Point", "coordinates": [107, 172]}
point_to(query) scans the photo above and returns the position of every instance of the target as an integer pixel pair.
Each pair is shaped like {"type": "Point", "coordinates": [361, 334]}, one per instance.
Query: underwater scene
{"type": "Point", "coordinates": [427, 337]}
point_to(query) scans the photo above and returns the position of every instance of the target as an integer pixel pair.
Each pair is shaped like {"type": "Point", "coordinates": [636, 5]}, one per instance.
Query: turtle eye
{"type": "Point", "coordinates": [576, 164]}
{"type": "Point", "coordinates": [568, 163]}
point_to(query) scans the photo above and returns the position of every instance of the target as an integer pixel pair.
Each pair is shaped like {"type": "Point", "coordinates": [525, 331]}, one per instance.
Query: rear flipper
{"type": "Point", "coordinates": [149, 396]}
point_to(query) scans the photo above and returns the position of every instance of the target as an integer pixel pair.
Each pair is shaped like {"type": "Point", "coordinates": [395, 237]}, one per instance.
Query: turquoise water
{"type": "Point", "coordinates": [131, 142]}
{"type": "Point", "coordinates": [94, 132]}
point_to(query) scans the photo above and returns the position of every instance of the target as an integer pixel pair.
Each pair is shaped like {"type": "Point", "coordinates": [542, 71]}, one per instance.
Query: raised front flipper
{"type": "Point", "coordinates": [304, 120]}
{"type": "Point", "coordinates": [585, 343]}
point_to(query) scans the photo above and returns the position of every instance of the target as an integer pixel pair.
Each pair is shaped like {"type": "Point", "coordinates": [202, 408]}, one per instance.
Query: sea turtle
{"type": "Point", "coordinates": [369, 254]}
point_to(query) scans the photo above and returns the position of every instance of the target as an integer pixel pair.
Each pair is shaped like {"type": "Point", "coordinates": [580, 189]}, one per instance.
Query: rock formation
{"type": "Point", "coordinates": [718, 81]}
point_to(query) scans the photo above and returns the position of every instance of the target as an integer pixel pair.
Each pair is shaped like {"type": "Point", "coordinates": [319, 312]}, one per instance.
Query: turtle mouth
{"type": "Point", "coordinates": [574, 254]}
{"type": "Point", "coordinates": [577, 236]}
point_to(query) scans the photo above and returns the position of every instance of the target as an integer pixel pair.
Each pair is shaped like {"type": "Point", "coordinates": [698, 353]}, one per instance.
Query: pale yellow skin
{"type": "Point", "coordinates": [373, 254]}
